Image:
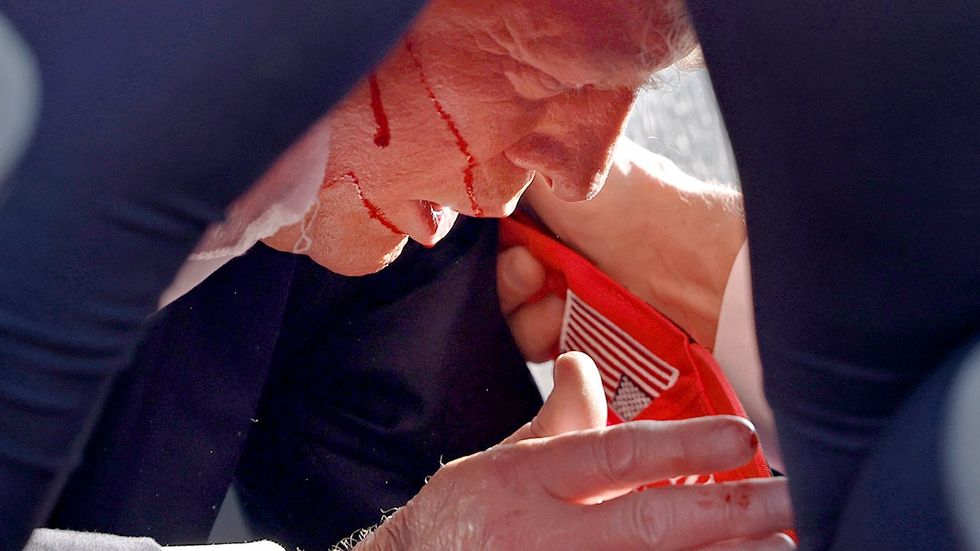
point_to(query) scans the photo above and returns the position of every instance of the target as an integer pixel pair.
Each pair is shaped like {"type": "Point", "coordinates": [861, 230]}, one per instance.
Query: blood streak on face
{"type": "Point", "coordinates": [382, 135]}
{"type": "Point", "coordinates": [519, 87]}
{"type": "Point", "coordinates": [461, 142]}
{"type": "Point", "coordinates": [372, 209]}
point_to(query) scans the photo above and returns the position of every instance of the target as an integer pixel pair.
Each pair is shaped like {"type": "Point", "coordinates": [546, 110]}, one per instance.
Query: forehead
{"type": "Point", "coordinates": [606, 43]}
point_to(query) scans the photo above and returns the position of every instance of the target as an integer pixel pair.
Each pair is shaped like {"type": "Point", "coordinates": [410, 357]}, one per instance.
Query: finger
{"type": "Point", "coordinates": [587, 464]}
{"type": "Point", "coordinates": [536, 327]}
{"type": "Point", "coordinates": [576, 403]}
{"type": "Point", "coordinates": [682, 517]}
{"type": "Point", "coordinates": [772, 542]}
{"type": "Point", "coordinates": [519, 276]}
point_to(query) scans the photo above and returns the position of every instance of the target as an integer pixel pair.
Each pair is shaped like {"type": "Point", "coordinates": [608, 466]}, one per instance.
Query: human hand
{"type": "Point", "coordinates": [664, 235]}
{"type": "Point", "coordinates": [535, 326]}
{"type": "Point", "coordinates": [562, 482]}
{"type": "Point", "coordinates": [675, 242]}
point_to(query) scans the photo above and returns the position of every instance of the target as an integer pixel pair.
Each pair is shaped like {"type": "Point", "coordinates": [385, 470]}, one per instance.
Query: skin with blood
{"type": "Point", "coordinates": [372, 209]}
{"type": "Point", "coordinates": [382, 136]}
{"type": "Point", "coordinates": [477, 99]}
{"type": "Point", "coordinates": [461, 143]}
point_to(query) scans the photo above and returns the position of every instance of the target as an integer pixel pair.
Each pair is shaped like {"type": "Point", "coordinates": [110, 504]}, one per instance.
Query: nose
{"type": "Point", "coordinates": [571, 147]}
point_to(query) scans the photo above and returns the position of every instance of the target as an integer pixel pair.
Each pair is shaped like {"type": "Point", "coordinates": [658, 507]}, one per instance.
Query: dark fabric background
{"type": "Point", "coordinates": [854, 127]}
{"type": "Point", "coordinates": [153, 117]}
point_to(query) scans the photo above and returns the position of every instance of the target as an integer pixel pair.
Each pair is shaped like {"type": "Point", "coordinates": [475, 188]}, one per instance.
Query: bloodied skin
{"type": "Point", "coordinates": [469, 107]}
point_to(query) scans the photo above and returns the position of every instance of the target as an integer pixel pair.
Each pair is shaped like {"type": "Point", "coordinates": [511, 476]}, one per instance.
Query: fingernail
{"type": "Point", "coordinates": [736, 438]}
{"type": "Point", "coordinates": [775, 542]}
{"type": "Point", "coordinates": [753, 437]}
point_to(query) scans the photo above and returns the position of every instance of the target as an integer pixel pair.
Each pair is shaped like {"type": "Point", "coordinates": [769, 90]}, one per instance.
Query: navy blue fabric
{"type": "Point", "coordinates": [165, 450]}
{"type": "Point", "coordinates": [371, 381]}
{"type": "Point", "coordinates": [907, 504]}
{"type": "Point", "coordinates": [854, 127]}
{"type": "Point", "coordinates": [154, 116]}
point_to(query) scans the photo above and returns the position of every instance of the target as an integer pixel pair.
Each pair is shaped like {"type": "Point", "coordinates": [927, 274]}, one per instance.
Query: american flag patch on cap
{"type": "Point", "coordinates": [632, 376]}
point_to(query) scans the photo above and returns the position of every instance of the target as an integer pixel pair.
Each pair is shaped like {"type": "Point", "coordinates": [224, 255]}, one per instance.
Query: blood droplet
{"type": "Point", "coordinates": [382, 136]}
{"type": "Point", "coordinates": [373, 210]}
{"type": "Point", "coordinates": [744, 500]}
{"type": "Point", "coordinates": [461, 143]}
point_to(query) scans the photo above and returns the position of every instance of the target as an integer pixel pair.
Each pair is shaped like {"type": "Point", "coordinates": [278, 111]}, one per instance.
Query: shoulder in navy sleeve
{"type": "Point", "coordinates": [152, 118]}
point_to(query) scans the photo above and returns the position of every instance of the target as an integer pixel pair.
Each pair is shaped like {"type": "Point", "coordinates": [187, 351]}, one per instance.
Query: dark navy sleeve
{"type": "Point", "coordinates": [855, 129]}
{"type": "Point", "coordinates": [153, 117]}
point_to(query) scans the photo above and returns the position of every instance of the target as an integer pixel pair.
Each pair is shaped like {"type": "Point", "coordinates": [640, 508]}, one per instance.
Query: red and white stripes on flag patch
{"type": "Point", "coordinates": [632, 376]}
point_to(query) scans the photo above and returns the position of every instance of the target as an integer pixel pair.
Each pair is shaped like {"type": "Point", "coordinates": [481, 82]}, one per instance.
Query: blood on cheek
{"type": "Point", "coordinates": [461, 143]}
{"type": "Point", "coordinates": [373, 210]}
{"type": "Point", "coordinates": [382, 136]}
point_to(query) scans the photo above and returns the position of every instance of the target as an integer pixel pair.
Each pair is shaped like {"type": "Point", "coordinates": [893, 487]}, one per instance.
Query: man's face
{"type": "Point", "coordinates": [478, 97]}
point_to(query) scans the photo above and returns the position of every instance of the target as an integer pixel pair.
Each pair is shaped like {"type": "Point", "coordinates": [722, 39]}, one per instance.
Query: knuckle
{"type": "Point", "coordinates": [653, 523]}
{"type": "Point", "coordinates": [616, 455]}
{"type": "Point", "coordinates": [448, 474]}
{"type": "Point", "coordinates": [732, 516]}
{"type": "Point", "coordinates": [508, 468]}
{"type": "Point", "coordinates": [740, 514]}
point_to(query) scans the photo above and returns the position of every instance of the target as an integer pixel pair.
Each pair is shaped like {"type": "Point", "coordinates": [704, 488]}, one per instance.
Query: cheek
{"type": "Point", "coordinates": [415, 145]}
{"type": "Point", "coordinates": [444, 125]}
{"type": "Point", "coordinates": [341, 235]}
{"type": "Point", "coordinates": [461, 140]}
{"type": "Point", "coordinates": [346, 239]}
{"type": "Point", "coordinates": [497, 124]}
{"type": "Point", "coordinates": [484, 105]}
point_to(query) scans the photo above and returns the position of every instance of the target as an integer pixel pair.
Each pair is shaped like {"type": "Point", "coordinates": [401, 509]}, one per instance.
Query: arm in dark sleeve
{"type": "Point", "coordinates": [854, 126]}
{"type": "Point", "coordinates": [153, 117]}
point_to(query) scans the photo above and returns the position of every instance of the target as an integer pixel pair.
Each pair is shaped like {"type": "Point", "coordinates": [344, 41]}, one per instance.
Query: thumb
{"type": "Point", "coordinates": [576, 403]}
{"type": "Point", "coordinates": [519, 276]}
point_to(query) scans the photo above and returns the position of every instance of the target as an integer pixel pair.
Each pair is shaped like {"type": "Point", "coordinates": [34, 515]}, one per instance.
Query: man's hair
{"type": "Point", "coordinates": [667, 34]}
